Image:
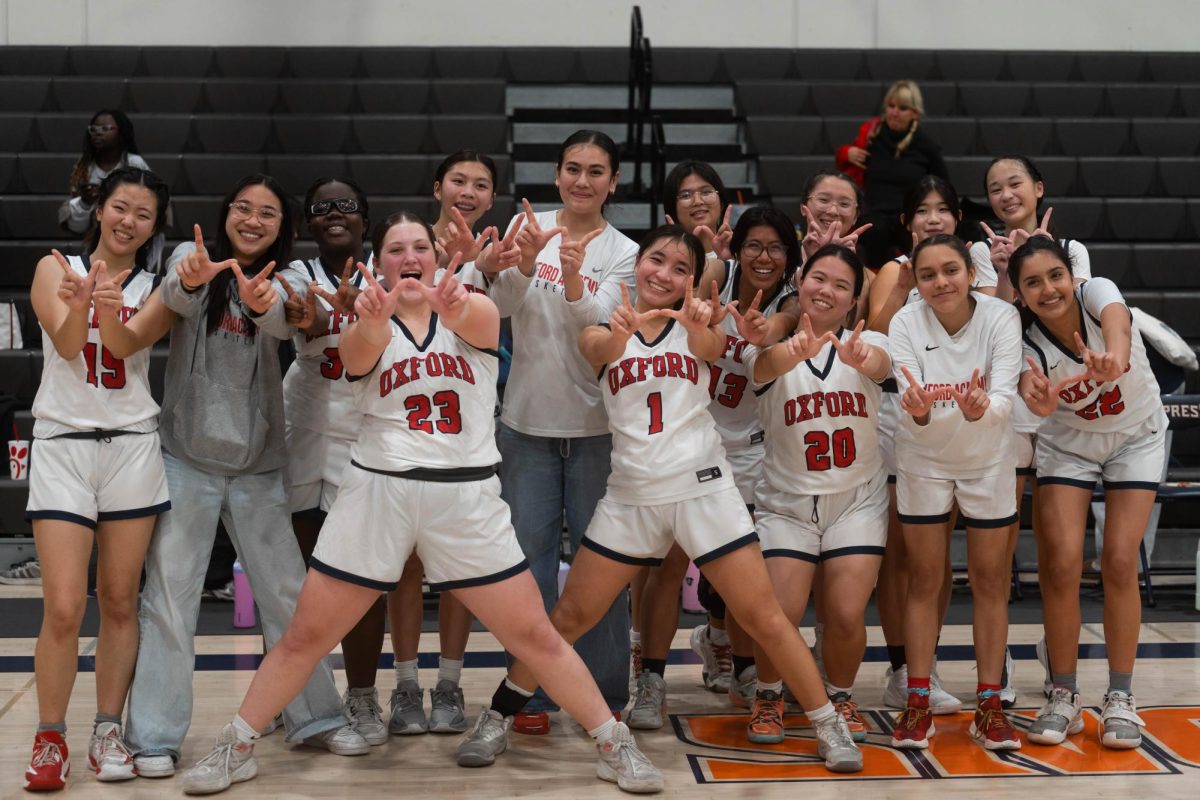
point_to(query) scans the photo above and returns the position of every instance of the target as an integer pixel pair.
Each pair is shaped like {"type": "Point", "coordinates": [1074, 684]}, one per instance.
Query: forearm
{"type": "Point", "coordinates": [508, 291]}
{"type": "Point", "coordinates": [707, 344]}
{"type": "Point", "coordinates": [773, 362]}
{"type": "Point", "coordinates": [881, 315]}
{"type": "Point", "coordinates": [117, 338]}
{"type": "Point", "coordinates": [177, 298]}
{"type": "Point", "coordinates": [362, 344]}
{"type": "Point", "coordinates": [599, 345]}
{"type": "Point", "coordinates": [71, 336]}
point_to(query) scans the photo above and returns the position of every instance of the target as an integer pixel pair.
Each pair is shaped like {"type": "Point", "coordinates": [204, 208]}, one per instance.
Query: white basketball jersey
{"type": "Point", "coordinates": [95, 390]}
{"type": "Point", "coordinates": [822, 423]}
{"type": "Point", "coordinates": [949, 446]}
{"type": "Point", "coordinates": [428, 404]}
{"type": "Point", "coordinates": [734, 406]}
{"type": "Point", "coordinates": [665, 444]}
{"type": "Point", "coordinates": [468, 275]}
{"type": "Point", "coordinates": [316, 394]}
{"type": "Point", "coordinates": [1106, 407]}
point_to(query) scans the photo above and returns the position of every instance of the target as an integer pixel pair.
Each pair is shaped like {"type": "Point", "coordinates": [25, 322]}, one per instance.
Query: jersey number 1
{"type": "Point", "coordinates": [654, 401]}
{"type": "Point", "coordinates": [107, 371]}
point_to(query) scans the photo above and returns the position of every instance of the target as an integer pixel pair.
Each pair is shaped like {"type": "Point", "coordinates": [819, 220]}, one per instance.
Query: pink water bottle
{"type": "Point", "coordinates": [691, 588]}
{"type": "Point", "coordinates": [243, 598]}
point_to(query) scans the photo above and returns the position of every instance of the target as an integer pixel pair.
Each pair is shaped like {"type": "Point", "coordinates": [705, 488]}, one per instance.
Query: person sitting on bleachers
{"type": "Point", "coordinates": [108, 144]}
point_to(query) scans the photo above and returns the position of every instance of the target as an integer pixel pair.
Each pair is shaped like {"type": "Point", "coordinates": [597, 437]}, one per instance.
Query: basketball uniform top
{"type": "Point", "coordinates": [981, 257]}
{"type": "Point", "coordinates": [546, 326]}
{"type": "Point", "coordinates": [1107, 407]}
{"type": "Point", "coordinates": [665, 444]}
{"type": "Point", "coordinates": [428, 404]}
{"type": "Point", "coordinates": [734, 407]}
{"type": "Point", "coordinates": [949, 446]}
{"type": "Point", "coordinates": [468, 275]}
{"type": "Point", "coordinates": [95, 390]}
{"type": "Point", "coordinates": [822, 422]}
{"type": "Point", "coordinates": [316, 394]}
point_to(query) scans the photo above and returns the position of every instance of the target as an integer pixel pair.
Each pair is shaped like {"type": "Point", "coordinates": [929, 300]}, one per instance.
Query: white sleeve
{"type": "Point", "coordinates": [985, 273]}
{"type": "Point", "coordinates": [1098, 293]}
{"type": "Point", "coordinates": [596, 307]}
{"type": "Point", "coordinates": [1005, 370]}
{"type": "Point", "coordinates": [1081, 262]}
{"type": "Point", "coordinates": [78, 216]}
{"type": "Point", "coordinates": [135, 160]}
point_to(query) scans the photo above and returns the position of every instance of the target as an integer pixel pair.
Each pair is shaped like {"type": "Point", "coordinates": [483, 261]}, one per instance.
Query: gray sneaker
{"type": "Point", "coordinates": [447, 714]}
{"type": "Point", "coordinates": [650, 704]}
{"type": "Point", "coordinates": [343, 741]}
{"type": "Point", "coordinates": [23, 573]}
{"type": "Point", "coordinates": [488, 739]}
{"type": "Point", "coordinates": [361, 707]}
{"type": "Point", "coordinates": [230, 762]}
{"type": "Point", "coordinates": [1120, 725]}
{"type": "Point", "coordinates": [154, 765]}
{"type": "Point", "coordinates": [408, 710]}
{"type": "Point", "coordinates": [622, 763]}
{"type": "Point", "coordinates": [835, 745]}
{"type": "Point", "coordinates": [717, 658]}
{"type": "Point", "coordinates": [1062, 715]}
{"type": "Point", "coordinates": [743, 687]}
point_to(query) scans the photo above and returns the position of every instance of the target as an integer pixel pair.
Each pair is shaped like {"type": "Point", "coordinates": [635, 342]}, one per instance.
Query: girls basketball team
{"type": "Point", "coordinates": [763, 406]}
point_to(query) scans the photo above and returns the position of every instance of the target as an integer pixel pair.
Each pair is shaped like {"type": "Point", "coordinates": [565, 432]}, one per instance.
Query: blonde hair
{"type": "Point", "coordinates": [905, 93]}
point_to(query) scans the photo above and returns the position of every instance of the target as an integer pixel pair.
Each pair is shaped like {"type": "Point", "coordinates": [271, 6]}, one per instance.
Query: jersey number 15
{"type": "Point", "coordinates": [107, 370]}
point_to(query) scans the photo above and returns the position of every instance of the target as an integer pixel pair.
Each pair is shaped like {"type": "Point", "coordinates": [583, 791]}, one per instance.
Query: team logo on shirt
{"type": "Point", "coordinates": [553, 276]}
{"type": "Point", "coordinates": [824, 404]}
{"type": "Point", "coordinates": [642, 368]}
{"type": "Point", "coordinates": [431, 365]}
{"type": "Point", "coordinates": [1106, 405]}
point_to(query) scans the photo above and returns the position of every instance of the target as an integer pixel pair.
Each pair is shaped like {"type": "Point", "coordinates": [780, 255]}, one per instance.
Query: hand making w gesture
{"type": "Point", "coordinates": [75, 290]}
{"type": "Point", "coordinates": [375, 305]}
{"type": "Point", "coordinates": [974, 401]}
{"type": "Point", "coordinates": [819, 235]}
{"type": "Point", "coordinates": [804, 343]}
{"type": "Point", "coordinates": [258, 293]}
{"type": "Point", "coordinates": [916, 400]}
{"type": "Point", "coordinates": [107, 295]}
{"type": "Point", "coordinates": [448, 299]}
{"type": "Point", "coordinates": [196, 268]}
{"type": "Point", "coordinates": [751, 326]}
{"type": "Point", "coordinates": [342, 300]}
{"type": "Point", "coordinates": [1042, 396]}
{"type": "Point", "coordinates": [1102, 366]}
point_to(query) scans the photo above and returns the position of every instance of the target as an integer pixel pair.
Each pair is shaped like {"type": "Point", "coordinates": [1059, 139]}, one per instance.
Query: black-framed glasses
{"type": "Point", "coordinates": [346, 205]}
{"type": "Point", "coordinates": [753, 249]}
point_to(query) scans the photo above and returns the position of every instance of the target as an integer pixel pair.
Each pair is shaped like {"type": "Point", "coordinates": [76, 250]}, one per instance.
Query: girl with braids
{"type": "Point", "coordinates": [889, 154]}
{"type": "Point", "coordinates": [108, 144]}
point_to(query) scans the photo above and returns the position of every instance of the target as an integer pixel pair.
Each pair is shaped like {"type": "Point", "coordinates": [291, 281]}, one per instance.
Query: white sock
{"type": "Point", "coordinates": [449, 669]}
{"type": "Point", "coordinates": [776, 687]}
{"type": "Point", "coordinates": [245, 734]}
{"type": "Point", "coordinates": [604, 733]}
{"type": "Point", "coordinates": [635, 637]}
{"type": "Point", "coordinates": [718, 636]}
{"type": "Point", "coordinates": [523, 692]}
{"type": "Point", "coordinates": [406, 671]}
{"type": "Point", "coordinates": [819, 715]}
{"type": "Point", "coordinates": [831, 690]}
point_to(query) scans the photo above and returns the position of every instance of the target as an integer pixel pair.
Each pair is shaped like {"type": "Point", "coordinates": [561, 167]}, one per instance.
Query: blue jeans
{"type": "Point", "coordinates": [540, 479]}
{"type": "Point", "coordinates": [255, 511]}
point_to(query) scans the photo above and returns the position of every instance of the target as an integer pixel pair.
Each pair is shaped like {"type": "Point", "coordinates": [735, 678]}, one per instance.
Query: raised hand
{"type": "Point", "coordinates": [196, 268]}
{"type": "Point", "coordinates": [1040, 395]}
{"type": "Point", "coordinates": [915, 400]}
{"type": "Point", "coordinates": [719, 310]}
{"type": "Point", "coordinates": [107, 295]}
{"type": "Point", "coordinates": [448, 299]}
{"type": "Point", "coordinates": [1002, 247]}
{"type": "Point", "coordinates": [1020, 237]}
{"type": "Point", "coordinates": [855, 352]}
{"type": "Point", "coordinates": [694, 315]}
{"type": "Point", "coordinates": [625, 320]}
{"type": "Point", "coordinates": [374, 304]}
{"type": "Point", "coordinates": [76, 290]}
{"type": "Point", "coordinates": [458, 239]}
{"type": "Point", "coordinates": [751, 326]}
{"type": "Point", "coordinates": [571, 254]}
{"type": "Point", "coordinates": [974, 401]}
{"type": "Point", "coordinates": [819, 236]}
{"type": "Point", "coordinates": [343, 299]}
{"type": "Point", "coordinates": [1102, 366]}
{"type": "Point", "coordinates": [300, 311]}
{"type": "Point", "coordinates": [716, 242]}
{"type": "Point", "coordinates": [258, 293]}
{"type": "Point", "coordinates": [533, 238]}
{"type": "Point", "coordinates": [804, 343]}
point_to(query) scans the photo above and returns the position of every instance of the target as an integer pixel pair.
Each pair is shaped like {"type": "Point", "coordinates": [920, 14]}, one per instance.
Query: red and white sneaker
{"type": "Point", "coordinates": [49, 767]}
{"type": "Point", "coordinates": [991, 727]}
{"type": "Point", "coordinates": [108, 755]}
{"type": "Point", "coordinates": [914, 726]}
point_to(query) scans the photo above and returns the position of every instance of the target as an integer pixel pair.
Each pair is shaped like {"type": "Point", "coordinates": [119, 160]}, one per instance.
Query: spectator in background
{"type": "Point", "coordinates": [890, 154]}
{"type": "Point", "coordinates": [108, 144]}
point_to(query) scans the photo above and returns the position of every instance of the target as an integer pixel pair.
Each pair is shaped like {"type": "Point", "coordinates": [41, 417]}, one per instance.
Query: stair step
{"type": "Point", "coordinates": [724, 134]}
{"type": "Point", "coordinates": [576, 96]}
{"type": "Point", "coordinates": [541, 173]}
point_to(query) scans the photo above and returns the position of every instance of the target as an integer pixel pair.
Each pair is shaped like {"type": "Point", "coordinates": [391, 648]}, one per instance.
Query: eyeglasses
{"type": "Point", "coordinates": [101, 128]}
{"type": "Point", "coordinates": [752, 250]}
{"type": "Point", "coordinates": [825, 201]}
{"type": "Point", "coordinates": [705, 195]}
{"type": "Point", "coordinates": [346, 205]}
{"type": "Point", "coordinates": [265, 214]}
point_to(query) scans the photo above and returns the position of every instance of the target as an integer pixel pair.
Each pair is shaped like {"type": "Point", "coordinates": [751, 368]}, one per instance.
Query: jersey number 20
{"type": "Point", "coordinates": [818, 445]}
{"type": "Point", "coordinates": [107, 371]}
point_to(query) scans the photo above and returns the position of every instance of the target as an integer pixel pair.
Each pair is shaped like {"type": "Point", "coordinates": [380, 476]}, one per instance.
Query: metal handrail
{"type": "Point", "coordinates": [643, 115]}
{"type": "Point", "coordinates": [635, 70]}
{"type": "Point", "coordinates": [658, 165]}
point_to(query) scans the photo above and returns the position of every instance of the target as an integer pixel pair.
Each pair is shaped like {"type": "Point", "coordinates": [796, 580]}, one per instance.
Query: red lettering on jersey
{"type": "Point", "coordinates": [433, 365]}
{"type": "Point", "coordinates": [436, 365]}
{"type": "Point", "coordinates": [449, 368]}
{"type": "Point", "coordinates": [637, 369]}
{"type": "Point", "coordinates": [125, 314]}
{"type": "Point", "coordinates": [1106, 405]}
{"type": "Point", "coordinates": [824, 404]}
{"type": "Point", "coordinates": [736, 346]}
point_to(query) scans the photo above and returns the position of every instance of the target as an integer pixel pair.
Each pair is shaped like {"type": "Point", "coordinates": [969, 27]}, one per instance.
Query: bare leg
{"type": "Point", "coordinates": [1063, 514]}
{"type": "Point", "coordinates": [454, 626]}
{"type": "Point", "coordinates": [123, 546]}
{"type": "Point", "coordinates": [405, 608]}
{"type": "Point", "coordinates": [637, 588]}
{"type": "Point", "coordinates": [846, 585]}
{"type": "Point", "coordinates": [1127, 512]}
{"type": "Point", "coordinates": [927, 546]}
{"type": "Point", "coordinates": [893, 578]}
{"type": "Point", "coordinates": [659, 612]}
{"type": "Point", "coordinates": [64, 550]}
{"type": "Point", "coordinates": [791, 580]}
{"type": "Point", "coordinates": [988, 570]}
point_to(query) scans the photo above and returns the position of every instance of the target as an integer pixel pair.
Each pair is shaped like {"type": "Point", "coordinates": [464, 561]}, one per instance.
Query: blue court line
{"type": "Point", "coordinates": [946, 652]}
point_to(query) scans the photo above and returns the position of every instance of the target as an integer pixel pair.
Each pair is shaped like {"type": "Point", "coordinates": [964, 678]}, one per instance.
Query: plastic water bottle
{"type": "Point", "coordinates": [691, 589]}
{"type": "Point", "coordinates": [243, 598]}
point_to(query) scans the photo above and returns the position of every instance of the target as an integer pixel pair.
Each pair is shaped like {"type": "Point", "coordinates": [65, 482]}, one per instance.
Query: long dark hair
{"type": "Point", "coordinates": [676, 233]}
{"type": "Point", "coordinates": [676, 177]}
{"type": "Point", "coordinates": [87, 156]}
{"type": "Point", "coordinates": [843, 254]}
{"type": "Point", "coordinates": [1034, 174]}
{"type": "Point", "coordinates": [931, 184]}
{"type": "Point", "coordinates": [280, 251]}
{"type": "Point", "coordinates": [135, 177]}
{"type": "Point", "coordinates": [1035, 245]}
{"type": "Point", "coordinates": [778, 221]}
{"type": "Point", "coordinates": [601, 140]}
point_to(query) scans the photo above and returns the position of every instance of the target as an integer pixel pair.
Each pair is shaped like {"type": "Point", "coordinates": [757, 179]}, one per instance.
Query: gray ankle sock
{"type": "Point", "coordinates": [1065, 680]}
{"type": "Point", "coordinates": [1120, 682]}
{"type": "Point", "coordinates": [115, 720]}
{"type": "Point", "coordinates": [58, 727]}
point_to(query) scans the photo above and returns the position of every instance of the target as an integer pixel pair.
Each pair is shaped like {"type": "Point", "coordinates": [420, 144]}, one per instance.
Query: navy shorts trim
{"type": "Point", "coordinates": [134, 513]}
{"type": "Point", "coordinates": [857, 550]}
{"type": "Point", "coordinates": [932, 519]}
{"type": "Point", "coordinates": [347, 577]}
{"type": "Point", "coordinates": [1151, 486]}
{"type": "Point", "coordinates": [495, 577]}
{"type": "Point", "coordinates": [65, 516]}
{"type": "Point", "coordinates": [780, 552]}
{"type": "Point", "coordinates": [725, 549]}
{"type": "Point", "coordinates": [613, 555]}
{"type": "Point", "coordinates": [892, 480]}
{"type": "Point", "coordinates": [1003, 522]}
{"type": "Point", "coordinates": [1077, 483]}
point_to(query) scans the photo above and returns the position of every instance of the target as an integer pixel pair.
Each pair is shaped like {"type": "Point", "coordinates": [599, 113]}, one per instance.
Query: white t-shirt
{"type": "Point", "coordinates": [949, 446]}
{"type": "Point", "coordinates": [551, 390]}
{"type": "Point", "coordinates": [76, 214]}
{"type": "Point", "coordinates": [1107, 407]}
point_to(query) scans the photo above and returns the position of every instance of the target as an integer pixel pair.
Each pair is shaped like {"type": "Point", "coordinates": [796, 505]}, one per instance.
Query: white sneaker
{"type": "Point", "coordinates": [1043, 657]}
{"type": "Point", "coordinates": [1008, 692]}
{"type": "Point", "coordinates": [742, 688]}
{"type": "Point", "coordinates": [836, 745]}
{"type": "Point", "coordinates": [650, 702]}
{"type": "Point", "coordinates": [940, 701]}
{"type": "Point", "coordinates": [895, 688]}
{"type": "Point", "coordinates": [622, 763]}
{"type": "Point", "coordinates": [343, 741]}
{"type": "Point", "coordinates": [1120, 725]}
{"type": "Point", "coordinates": [108, 755]}
{"type": "Point", "coordinates": [1060, 717]}
{"type": "Point", "coordinates": [488, 739]}
{"type": "Point", "coordinates": [154, 765]}
{"type": "Point", "coordinates": [229, 762]}
{"type": "Point", "coordinates": [361, 707]}
{"type": "Point", "coordinates": [717, 658]}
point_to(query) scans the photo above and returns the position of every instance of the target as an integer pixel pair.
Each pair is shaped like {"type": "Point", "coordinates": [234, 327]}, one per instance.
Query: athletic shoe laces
{"type": "Point", "coordinates": [625, 748]}
{"type": "Point", "coordinates": [910, 718]}
{"type": "Point", "coordinates": [723, 654]}
{"type": "Point", "coordinates": [46, 753]}
{"type": "Point", "coordinates": [113, 747]}
{"type": "Point", "coordinates": [1120, 705]}
{"type": "Point", "coordinates": [767, 712]}
{"type": "Point", "coordinates": [848, 709]}
{"type": "Point", "coordinates": [363, 707]}
{"type": "Point", "coordinates": [834, 732]}
{"type": "Point", "coordinates": [993, 719]}
{"type": "Point", "coordinates": [1060, 704]}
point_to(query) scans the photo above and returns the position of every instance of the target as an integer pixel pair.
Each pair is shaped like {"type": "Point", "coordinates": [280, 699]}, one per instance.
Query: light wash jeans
{"type": "Point", "coordinates": [540, 478]}
{"type": "Point", "coordinates": [255, 511]}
